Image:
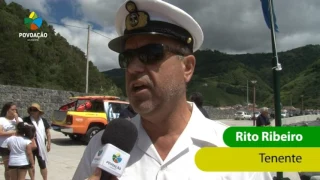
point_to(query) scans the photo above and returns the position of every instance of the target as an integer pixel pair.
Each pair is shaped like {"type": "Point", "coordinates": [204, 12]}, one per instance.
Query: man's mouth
{"type": "Point", "coordinates": [137, 88]}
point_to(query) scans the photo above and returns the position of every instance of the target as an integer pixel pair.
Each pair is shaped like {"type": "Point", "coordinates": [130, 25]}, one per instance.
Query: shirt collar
{"type": "Point", "coordinates": [199, 127]}
{"type": "Point", "coordinates": [200, 131]}
{"type": "Point", "coordinates": [203, 129]}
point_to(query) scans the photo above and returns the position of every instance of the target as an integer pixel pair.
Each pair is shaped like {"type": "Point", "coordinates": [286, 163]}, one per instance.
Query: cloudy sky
{"type": "Point", "coordinates": [230, 26]}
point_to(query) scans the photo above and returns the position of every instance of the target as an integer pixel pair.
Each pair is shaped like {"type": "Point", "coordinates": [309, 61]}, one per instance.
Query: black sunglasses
{"type": "Point", "coordinates": [149, 54]}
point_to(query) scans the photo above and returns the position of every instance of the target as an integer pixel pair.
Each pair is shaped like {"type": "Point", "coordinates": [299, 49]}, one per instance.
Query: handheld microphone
{"type": "Point", "coordinates": [119, 138]}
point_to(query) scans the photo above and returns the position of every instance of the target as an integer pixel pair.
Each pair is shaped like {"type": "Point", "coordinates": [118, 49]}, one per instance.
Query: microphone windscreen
{"type": "Point", "coordinates": [121, 133]}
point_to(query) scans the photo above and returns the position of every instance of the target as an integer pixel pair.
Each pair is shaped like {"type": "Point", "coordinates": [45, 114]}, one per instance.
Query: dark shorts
{"type": "Point", "coordinates": [41, 162]}
{"type": "Point", "coordinates": [20, 167]}
{"type": "Point", "coordinates": [4, 151]}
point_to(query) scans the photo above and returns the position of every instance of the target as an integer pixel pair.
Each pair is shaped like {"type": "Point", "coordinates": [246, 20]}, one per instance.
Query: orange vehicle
{"type": "Point", "coordinates": [85, 116]}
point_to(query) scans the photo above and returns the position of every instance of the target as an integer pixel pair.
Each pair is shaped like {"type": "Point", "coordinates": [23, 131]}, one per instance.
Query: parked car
{"type": "Point", "coordinates": [242, 115]}
{"type": "Point", "coordinates": [85, 116]}
{"type": "Point", "coordinates": [284, 114]}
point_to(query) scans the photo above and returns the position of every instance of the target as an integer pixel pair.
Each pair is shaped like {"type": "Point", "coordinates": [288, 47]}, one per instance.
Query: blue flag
{"type": "Point", "coordinates": [266, 14]}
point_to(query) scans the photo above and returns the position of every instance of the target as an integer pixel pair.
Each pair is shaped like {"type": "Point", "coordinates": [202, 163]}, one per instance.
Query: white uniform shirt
{"type": "Point", "coordinates": [18, 148]}
{"type": "Point", "coordinates": [7, 126]}
{"type": "Point", "coordinates": [145, 162]}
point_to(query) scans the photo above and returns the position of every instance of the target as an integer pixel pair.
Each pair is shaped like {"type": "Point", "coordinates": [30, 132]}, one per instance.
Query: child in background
{"type": "Point", "coordinates": [20, 146]}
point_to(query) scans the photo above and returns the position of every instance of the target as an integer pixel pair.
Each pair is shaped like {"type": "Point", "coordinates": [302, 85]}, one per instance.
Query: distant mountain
{"type": "Point", "coordinates": [50, 62]}
{"type": "Point", "coordinates": [222, 78]}
{"type": "Point", "coordinates": [117, 76]}
{"type": "Point", "coordinates": [307, 83]}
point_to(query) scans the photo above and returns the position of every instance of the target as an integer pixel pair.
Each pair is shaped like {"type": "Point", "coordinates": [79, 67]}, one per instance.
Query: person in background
{"type": "Point", "coordinates": [127, 113]}
{"type": "Point", "coordinates": [8, 121]}
{"type": "Point", "coordinates": [43, 138]}
{"type": "Point", "coordinates": [20, 146]}
{"type": "Point", "coordinates": [263, 118]}
{"type": "Point", "coordinates": [197, 98]}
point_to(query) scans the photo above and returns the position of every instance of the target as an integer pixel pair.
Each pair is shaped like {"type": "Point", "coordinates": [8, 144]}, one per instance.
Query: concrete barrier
{"type": "Point", "coordinates": [290, 120]}
{"type": "Point", "coordinates": [315, 178]}
{"type": "Point", "coordinates": [297, 119]}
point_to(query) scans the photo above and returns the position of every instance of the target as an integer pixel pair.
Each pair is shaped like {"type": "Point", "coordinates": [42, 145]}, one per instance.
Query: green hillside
{"type": "Point", "coordinates": [307, 84]}
{"type": "Point", "coordinates": [48, 63]}
{"type": "Point", "coordinates": [55, 64]}
{"type": "Point", "coordinates": [222, 78]}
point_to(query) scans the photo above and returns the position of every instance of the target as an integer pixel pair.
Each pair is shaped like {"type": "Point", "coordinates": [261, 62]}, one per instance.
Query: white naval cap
{"type": "Point", "coordinates": [137, 17]}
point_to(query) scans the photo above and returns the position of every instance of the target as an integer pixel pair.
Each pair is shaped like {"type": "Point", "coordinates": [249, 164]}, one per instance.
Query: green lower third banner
{"type": "Point", "coordinates": [272, 136]}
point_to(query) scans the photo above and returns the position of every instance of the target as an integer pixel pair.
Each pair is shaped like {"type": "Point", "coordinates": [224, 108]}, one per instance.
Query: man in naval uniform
{"type": "Point", "coordinates": [156, 44]}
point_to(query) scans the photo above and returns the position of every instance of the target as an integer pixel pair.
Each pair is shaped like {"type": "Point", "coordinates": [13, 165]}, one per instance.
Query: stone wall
{"type": "Point", "coordinates": [51, 100]}
{"type": "Point", "coordinates": [48, 99]}
{"type": "Point", "coordinates": [216, 113]}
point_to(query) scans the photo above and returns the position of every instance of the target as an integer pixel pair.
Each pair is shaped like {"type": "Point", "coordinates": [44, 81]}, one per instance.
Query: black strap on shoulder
{"type": "Point", "coordinates": [27, 120]}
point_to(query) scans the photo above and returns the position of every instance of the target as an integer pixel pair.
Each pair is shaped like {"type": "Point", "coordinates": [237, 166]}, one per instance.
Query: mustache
{"type": "Point", "coordinates": [136, 79]}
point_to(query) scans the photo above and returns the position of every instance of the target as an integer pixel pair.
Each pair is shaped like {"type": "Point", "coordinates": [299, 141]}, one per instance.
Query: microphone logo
{"type": "Point", "coordinates": [116, 158]}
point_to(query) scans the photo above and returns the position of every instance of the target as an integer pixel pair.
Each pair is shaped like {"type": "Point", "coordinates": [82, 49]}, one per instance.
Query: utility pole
{"type": "Point", "coordinates": [247, 93]}
{"type": "Point", "coordinates": [254, 101]}
{"type": "Point", "coordinates": [87, 70]}
{"type": "Point", "coordinates": [269, 15]}
{"type": "Point", "coordinates": [302, 113]}
{"type": "Point", "coordinates": [276, 77]}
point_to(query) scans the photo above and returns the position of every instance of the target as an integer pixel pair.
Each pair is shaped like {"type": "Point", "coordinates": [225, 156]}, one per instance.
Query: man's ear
{"type": "Point", "coordinates": [189, 63]}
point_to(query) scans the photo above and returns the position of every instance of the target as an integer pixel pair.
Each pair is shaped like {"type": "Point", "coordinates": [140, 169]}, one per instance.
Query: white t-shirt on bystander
{"type": "Point", "coordinates": [18, 148]}
{"type": "Point", "coordinates": [7, 126]}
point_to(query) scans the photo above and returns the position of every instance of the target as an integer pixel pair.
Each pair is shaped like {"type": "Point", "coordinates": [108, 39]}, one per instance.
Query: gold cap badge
{"type": "Point", "coordinates": [135, 19]}
{"type": "Point", "coordinates": [189, 40]}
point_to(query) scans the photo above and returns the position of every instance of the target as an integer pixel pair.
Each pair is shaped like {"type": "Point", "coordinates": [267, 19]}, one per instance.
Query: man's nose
{"type": "Point", "coordinates": [135, 66]}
